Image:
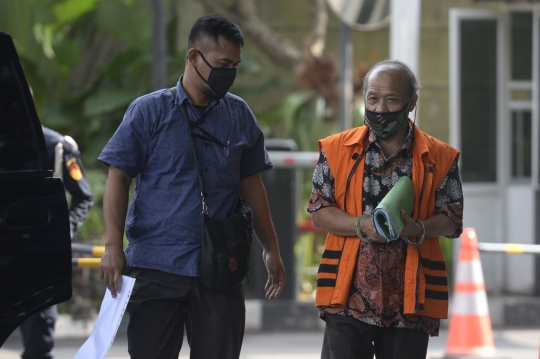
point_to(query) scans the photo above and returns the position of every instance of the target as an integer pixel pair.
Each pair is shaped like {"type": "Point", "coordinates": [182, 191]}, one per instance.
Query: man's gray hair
{"type": "Point", "coordinates": [412, 83]}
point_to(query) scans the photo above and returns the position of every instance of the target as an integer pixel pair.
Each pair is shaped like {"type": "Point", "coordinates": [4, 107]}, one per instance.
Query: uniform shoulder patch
{"type": "Point", "coordinates": [74, 169]}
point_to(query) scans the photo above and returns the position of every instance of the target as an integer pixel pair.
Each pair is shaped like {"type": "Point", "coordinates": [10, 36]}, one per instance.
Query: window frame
{"type": "Point", "coordinates": [505, 86]}
{"type": "Point", "coordinates": [456, 15]}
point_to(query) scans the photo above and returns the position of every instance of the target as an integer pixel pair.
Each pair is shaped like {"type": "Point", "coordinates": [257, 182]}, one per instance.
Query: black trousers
{"type": "Point", "coordinates": [161, 304]}
{"type": "Point", "coordinates": [348, 338]}
{"type": "Point", "coordinates": [38, 334]}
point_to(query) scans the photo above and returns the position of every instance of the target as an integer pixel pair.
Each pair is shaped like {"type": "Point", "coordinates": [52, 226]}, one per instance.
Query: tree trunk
{"type": "Point", "coordinates": [279, 49]}
{"type": "Point", "coordinates": [319, 22]}
{"type": "Point", "coordinates": [314, 69]}
{"type": "Point", "coordinates": [101, 48]}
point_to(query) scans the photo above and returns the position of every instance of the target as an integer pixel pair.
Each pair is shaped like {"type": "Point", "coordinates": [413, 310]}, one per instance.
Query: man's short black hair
{"type": "Point", "coordinates": [212, 27]}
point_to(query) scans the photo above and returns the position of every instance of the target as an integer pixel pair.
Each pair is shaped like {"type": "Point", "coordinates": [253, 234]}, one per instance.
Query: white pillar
{"type": "Point", "coordinates": [345, 79]}
{"type": "Point", "coordinates": [405, 33]}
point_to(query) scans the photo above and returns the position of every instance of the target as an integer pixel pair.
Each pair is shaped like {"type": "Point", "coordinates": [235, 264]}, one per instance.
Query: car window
{"type": "Point", "coordinates": [18, 147]}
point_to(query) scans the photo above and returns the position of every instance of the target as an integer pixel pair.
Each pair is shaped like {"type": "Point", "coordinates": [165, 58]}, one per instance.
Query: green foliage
{"type": "Point", "coordinates": [448, 251]}
{"type": "Point", "coordinates": [256, 89]}
{"type": "Point", "coordinates": [136, 22]}
{"type": "Point", "coordinates": [86, 60]}
{"type": "Point", "coordinates": [308, 252]}
{"type": "Point", "coordinates": [109, 96]}
{"type": "Point", "coordinates": [302, 117]}
{"type": "Point", "coordinates": [71, 10]}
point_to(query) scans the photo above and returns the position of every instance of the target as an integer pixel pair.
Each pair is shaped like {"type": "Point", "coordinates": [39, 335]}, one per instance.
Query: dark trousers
{"type": "Point", "coordinates": [348, 338]}
{"type": "Point", "coordinates": [38, 334]}
{"type": "Point", "coordinates": [161, 304]}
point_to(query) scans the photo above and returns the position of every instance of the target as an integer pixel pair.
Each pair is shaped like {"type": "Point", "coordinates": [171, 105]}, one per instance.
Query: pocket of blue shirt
{"type": "Point", "coordinates": [232, 175]}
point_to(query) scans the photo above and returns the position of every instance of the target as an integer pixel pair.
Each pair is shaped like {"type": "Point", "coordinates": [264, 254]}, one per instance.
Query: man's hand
{"type": "Point", "coordinates": [276, 275]}
{"type": "Point", "coordinates": [111, 268]}
{"type": "Point", "coordinates": [340, 223]}
{"type": "Point", "coordinates": [436, 226]}
{"type": "Point", "coordinates": [411, 229]}
{"type": "Point", "coordinates": [368, 230]}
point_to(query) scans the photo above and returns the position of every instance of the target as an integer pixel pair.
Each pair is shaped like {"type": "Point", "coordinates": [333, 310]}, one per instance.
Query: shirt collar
{"type": "Point", "coordinates": [373, 140]}
{"type": "Point", "coordinates": [182, 96]}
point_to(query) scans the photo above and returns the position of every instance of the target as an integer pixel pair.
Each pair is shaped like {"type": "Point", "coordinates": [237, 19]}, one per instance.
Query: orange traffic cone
{"type": "Point", "coordinates": [469, 332]}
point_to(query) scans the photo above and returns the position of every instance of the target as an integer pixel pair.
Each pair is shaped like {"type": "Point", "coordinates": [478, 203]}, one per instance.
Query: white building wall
{"type": "Point", "coordinates": [520, 223]}
{"type": "Point", "coordinates": [483, 212]}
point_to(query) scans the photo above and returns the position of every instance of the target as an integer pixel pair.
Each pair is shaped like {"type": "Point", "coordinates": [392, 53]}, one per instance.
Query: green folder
{"type": "Point", "coordinates": [386, 217]}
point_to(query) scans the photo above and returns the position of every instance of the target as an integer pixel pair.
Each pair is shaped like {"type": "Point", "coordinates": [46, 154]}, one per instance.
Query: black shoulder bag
{"type": "Point", "coordinates": [226, 243]}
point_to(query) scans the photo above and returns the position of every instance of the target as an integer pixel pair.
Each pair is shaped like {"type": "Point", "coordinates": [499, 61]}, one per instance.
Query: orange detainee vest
{"type": "Point", "coordinates": [425, 282]}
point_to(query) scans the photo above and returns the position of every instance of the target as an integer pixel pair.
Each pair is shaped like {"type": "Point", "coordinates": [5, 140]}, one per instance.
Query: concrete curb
{"type": "Point", "coordinates": [514, 311]}
{"type": "Point", "coordinates": [261, 315]}
{"type": "Point", "coordinates": [290, 315]}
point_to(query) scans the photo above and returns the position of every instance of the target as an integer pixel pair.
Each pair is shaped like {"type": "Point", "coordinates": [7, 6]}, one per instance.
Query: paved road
{"type": "Point", "coordinates": [511, 344]}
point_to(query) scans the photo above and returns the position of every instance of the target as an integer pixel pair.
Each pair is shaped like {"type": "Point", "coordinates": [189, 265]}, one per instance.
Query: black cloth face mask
{"type": "Point", "coordinates": [386, 124]}
{"type": "Point", "coordinates": [219, 80]}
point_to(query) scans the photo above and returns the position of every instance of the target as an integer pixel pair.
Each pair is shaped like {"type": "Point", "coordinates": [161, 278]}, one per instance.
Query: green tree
{"type": "Point", "coordinates": [86, 60]}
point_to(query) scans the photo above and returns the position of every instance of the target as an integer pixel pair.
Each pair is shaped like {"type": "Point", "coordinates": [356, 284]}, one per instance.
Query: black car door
{"type": "Point", "coordinates": [35, 243]}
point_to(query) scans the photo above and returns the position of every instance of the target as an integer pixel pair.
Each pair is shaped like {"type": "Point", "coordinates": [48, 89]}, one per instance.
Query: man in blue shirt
{"type": "Point", "coordinates": [164, 224]}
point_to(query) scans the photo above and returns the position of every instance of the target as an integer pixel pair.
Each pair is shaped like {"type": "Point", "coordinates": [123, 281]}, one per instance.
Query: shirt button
{"type": "Point", "coordinates": [206, 169]}
{"type": "Point", "coordinates": [206, 144]}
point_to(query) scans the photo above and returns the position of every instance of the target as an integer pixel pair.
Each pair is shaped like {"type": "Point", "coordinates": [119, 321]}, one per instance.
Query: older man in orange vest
{"type": "Point", "coordinates": [381, 297]}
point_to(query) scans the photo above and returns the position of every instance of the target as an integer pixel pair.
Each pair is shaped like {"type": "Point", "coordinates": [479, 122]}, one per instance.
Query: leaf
{"type": "Point", "coordinates": [292, 105]}
{"type": "Point", "coordinates": [71, 10]}
{"type": "Point", "coordinates": [124, 61]}
{"type": "Point", "coordinates": [55, 116]}
{"type": "Point", "coordinates": [131, 23]}
{"type": "Point", "coordinates": [256, 89]}
{"type": "Point", "coordinates": [44, 36]}
{"type": "Point", "coordinates": [67, 52]}
{"type": "Point", "coordinates": [18, 18]}
{"type": "Point", "coordinates": [249, 64]}
{"type": "Point", "coordinates": [108, 98]}
{"type": "Point", "coordinates": [294, 101]}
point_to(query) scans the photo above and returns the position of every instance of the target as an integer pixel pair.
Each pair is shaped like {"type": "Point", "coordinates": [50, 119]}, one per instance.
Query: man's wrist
{"type": "Point", "coordinates": [422, 231]}
{"type": "Point", "coordinates": [114, 243]}
{"type": "Point", "coordinates": [359, 232]}
{"type": "Point", "coordinates": [270, 246]}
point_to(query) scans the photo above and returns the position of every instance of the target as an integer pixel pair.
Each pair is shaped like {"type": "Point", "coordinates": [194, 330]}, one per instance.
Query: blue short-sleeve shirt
{"type": "Point", "coordinates": [165, 223]}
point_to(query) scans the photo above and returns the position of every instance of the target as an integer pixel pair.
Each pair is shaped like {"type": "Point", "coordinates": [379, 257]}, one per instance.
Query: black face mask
{"type": "Point", "coordinates": [220, 80]}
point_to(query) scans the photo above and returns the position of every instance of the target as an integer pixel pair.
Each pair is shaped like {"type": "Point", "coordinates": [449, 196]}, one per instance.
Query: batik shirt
{"type": "Point", "coordinates": [376, 294]}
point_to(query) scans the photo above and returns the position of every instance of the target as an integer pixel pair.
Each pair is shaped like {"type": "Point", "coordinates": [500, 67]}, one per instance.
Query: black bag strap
{"type": "Point", "coordinates": [204, 208]}
{"type": "Point", "coordinates": [186, 116]}
{"type": "Point", "coordinates": [353, 169]}
{"type": "Point", "coordinates": [195, 125]}
{"type": "Point", "coordinates": [207, 136]}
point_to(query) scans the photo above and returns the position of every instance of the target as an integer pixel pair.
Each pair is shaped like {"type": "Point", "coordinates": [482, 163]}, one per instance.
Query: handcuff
{"type": "Point", "coordinates": [369, 240]}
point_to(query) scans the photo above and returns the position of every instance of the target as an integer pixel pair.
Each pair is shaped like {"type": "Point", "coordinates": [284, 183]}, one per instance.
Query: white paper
{"type": "Point", "coordinates": [110, 314]}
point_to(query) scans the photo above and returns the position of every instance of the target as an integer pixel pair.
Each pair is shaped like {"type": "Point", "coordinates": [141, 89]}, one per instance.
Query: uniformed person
{"type": "Point", "coordinates": [64, 159]}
